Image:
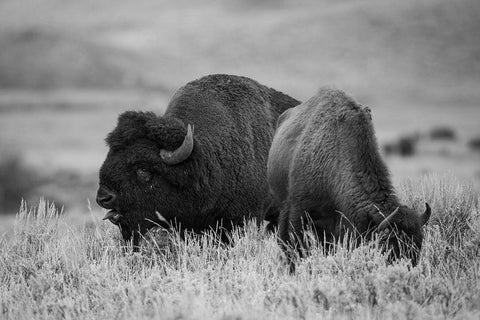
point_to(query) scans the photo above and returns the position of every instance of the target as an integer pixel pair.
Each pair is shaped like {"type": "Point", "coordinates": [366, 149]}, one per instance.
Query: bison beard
{"type": "Point", "coordinates": [201, 165]}
{"type": "Point", "coordinates": [324, 163]}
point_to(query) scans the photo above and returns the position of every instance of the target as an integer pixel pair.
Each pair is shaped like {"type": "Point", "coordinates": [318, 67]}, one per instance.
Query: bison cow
{"type": "Point", "coordinates": [324, 167]}
{"type": "Point", "coordinates": [200, 165]}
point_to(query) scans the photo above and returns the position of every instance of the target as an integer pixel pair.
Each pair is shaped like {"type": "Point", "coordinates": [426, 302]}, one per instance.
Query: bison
{"type": "Point", "coordinates": [324, 167]}
{"type": "Point", "coordinates": [202, 164]}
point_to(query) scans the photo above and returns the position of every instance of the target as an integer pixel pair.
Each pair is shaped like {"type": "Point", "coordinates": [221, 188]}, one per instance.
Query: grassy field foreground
{"type": "Point", "coordinates": [50, 270]}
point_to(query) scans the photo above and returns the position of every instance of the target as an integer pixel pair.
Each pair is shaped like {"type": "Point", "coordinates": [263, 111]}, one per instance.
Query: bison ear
{"type": "Point", "coordinates": [367, 110]}
{"type": "Point", "coordinates": [426, 215]}
{"type": "Point", "coordinates": [173, 137]}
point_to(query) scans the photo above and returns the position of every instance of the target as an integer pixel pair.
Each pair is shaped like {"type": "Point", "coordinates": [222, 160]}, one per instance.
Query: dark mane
{"type": "Point", "coordinates": [132, 126]}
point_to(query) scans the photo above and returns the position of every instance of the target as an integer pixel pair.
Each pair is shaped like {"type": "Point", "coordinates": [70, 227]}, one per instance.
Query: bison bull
{"type": "Point", "coordinates": [324, 165]}
{"type": "Point", "coordinates": [200, 165]}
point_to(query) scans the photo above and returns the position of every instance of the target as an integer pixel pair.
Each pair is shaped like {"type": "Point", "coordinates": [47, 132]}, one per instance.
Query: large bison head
{"type": "Point", "coordinates": [149, 169]}
{"type": "Point", "coordinates": [401, 233]}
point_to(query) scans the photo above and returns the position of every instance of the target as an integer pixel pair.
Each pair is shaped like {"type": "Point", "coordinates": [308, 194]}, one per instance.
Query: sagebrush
{"type": "Point", "coordinates": [50, 270]}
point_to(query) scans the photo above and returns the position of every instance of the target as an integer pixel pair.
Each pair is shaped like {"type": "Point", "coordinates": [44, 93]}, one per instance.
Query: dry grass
{"type": "Point", "coordinates": [50, 271]}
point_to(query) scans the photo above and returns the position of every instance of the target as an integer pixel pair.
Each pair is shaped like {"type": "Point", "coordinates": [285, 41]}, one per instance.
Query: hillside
{"type": "Point", "coordinates": [68, 68]}
{"type": "Point", "coordinates": [395, 47]}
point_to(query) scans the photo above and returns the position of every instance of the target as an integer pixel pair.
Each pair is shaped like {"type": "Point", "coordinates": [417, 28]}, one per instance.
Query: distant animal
{"type": "Point", "coordinates": [201, 165]}
{"type": "Point", "coordinates": [324, 166]}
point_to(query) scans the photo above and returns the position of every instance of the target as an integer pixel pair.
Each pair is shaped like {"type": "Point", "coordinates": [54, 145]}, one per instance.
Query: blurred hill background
{"type": "Point", "coordinates": [68, 68]}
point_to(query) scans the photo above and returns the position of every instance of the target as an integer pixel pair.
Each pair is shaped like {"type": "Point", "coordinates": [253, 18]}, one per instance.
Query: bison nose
{"type": "Point", "coordinates": [106, 198]}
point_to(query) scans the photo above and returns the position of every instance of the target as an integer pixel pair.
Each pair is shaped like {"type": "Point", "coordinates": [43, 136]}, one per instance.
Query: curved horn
{"type": "Point", "coordinates": [426, 215]}
{"type": "Point", "coordinates": [181, 153]}
{"type": "Point", "coordinates": [387, 220]}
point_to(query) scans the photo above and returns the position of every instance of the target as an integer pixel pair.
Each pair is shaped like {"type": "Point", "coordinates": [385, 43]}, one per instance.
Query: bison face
{"type": "Point", "coordinates": [149, 171]}
{"type": "Point", "coordinates": [401, 233]}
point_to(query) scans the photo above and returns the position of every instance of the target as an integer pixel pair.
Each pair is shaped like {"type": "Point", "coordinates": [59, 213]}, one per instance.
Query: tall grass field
{"type": "Point", "coordinates": [51, 270]}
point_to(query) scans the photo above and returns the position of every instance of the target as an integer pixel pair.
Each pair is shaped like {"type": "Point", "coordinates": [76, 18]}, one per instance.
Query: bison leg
{"type": "Point", "coordinates": [290, 232]}
{"type": "Point", "coordinates": [326, 227]}
{"type": "Point", "coordinates": [284, 228]}
{"type": "Point", "coordinates": [271, 215]}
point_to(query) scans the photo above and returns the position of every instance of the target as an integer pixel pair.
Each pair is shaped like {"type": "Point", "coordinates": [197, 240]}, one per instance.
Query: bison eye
{"type": "Point", "coordinates": [144, 175]}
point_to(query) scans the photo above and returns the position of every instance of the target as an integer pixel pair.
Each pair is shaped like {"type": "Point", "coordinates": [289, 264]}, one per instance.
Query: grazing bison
{"type": "Point", "coordinates": [200, 165]}
{"type": "Point", "coordinates": [324, 165]}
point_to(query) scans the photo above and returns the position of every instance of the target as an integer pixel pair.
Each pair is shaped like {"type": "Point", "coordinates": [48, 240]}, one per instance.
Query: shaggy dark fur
{"type": "Point", "coordinates": [324, 161]}
{"type": "Point", "coordinates": [221, 183]}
